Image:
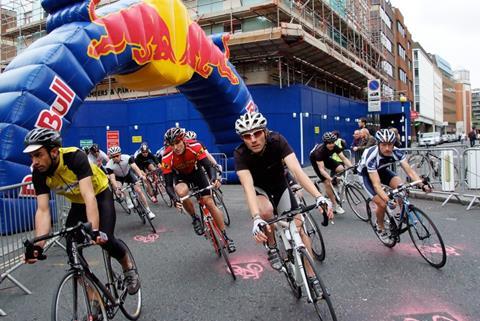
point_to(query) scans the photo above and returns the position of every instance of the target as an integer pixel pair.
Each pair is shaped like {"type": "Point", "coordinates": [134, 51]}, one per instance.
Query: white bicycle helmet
{"type": "Point", "coordinates": [190, 135]}
{"type": "Point", "coordinates": [114, 150]}
{"type": "Point", "coordinates": [250, 121]}
{"type": "Point", "coordinates": [385, 136]}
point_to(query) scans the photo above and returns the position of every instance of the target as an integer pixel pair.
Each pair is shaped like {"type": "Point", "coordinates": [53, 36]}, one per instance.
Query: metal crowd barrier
{"type": "Point", "coordinates": [17, 221]}
{"type": "Point", "coordinates": [471, 174]}
{"type": "Point", "coordinates": [221, 160]}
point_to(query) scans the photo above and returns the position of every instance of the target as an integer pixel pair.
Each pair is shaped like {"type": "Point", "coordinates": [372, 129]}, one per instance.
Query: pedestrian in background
{"type": "Point", "coordinates": [472, 136]}
{"type": "Point", "coordinates": [398, 139]}
{"type": "Point", "coordinates": [357, 140]}
{"type": "Point", "coordinates": [367, 141]}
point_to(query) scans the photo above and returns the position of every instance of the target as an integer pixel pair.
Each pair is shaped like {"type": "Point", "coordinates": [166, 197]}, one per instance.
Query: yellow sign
{"type": "Point", "coordinates": [136, 139]}
{"type": "Point", "coordinates": [317, 130]}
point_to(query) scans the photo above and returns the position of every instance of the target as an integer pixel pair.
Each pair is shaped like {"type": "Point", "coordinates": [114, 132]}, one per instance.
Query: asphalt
{"type": "Point", "coordinates": [182, 279]}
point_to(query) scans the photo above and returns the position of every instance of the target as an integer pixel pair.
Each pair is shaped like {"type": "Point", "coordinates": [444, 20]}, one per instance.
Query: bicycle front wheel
{"type": "Point", "coordinates": [218, 199]}
{"type": "Point", "coordinates": [77, 298]}
{"type": "Point", "coordinates": [131, 305]}
{"type": "Point", "coordinates": [357, 202]}
{"type": "Point", "coordinates": [426, 238]}
{"type": "Point", "coordinates": [222, 245]}
{"type": "Point", "coordinates": [321, 301]}
{"type": "Point", "coordinates": [313, 231]}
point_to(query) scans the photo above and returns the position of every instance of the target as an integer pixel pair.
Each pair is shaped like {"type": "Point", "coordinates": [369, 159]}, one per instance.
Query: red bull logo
{"type": "Point", "coordinates": [202, 55]}
{"type": "Point", "coordinates": [138, 26]}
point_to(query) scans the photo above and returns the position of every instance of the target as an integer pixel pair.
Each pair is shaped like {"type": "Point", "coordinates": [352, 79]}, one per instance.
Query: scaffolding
{"type": "Point", "coordinates": [328, 44]}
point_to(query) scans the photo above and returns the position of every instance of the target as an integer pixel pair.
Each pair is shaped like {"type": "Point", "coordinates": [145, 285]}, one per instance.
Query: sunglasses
{"type": "Point", "coordinates": [115, 156]}
{"type": "Point", "coordinates": [250, 136]}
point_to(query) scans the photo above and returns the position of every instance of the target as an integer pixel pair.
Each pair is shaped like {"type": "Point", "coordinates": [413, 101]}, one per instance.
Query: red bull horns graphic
{"type": "Point", "coordinates": [150, 40]}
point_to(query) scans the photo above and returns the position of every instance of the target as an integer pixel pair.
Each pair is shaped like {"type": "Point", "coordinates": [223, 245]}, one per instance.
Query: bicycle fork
{"type": "Point", "coordinates": [293, 238]}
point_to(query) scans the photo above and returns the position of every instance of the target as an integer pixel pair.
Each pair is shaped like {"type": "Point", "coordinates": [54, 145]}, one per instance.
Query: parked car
{"type": "Point", "coordinates": [429, 139]}
{"type": "Point", "coordinates": [446, 138]}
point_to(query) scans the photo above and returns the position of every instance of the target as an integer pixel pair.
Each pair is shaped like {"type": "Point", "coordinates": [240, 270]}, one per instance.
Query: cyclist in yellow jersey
{"type": "Point", "coordinates": [67, 171]}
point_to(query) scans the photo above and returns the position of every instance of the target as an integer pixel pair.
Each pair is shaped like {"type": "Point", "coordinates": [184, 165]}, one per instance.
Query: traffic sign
{"type": "Point", "coordinates": [374, 95]}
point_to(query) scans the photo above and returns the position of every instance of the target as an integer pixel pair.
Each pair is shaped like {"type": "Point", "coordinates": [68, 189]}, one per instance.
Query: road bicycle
{"type": "Point", "coordinates": [80, 289]}
{"type": "Point", "coordinates": [424, 234]}
{"type": "Point", "coordinates": [137, 204]}
{"type": "Point", "coordinates": [217, 195]}
{"type": "Point", "coordinates": [122, 201]}
{"type": "Point", "coordinates": [156, 182]}
{"type": "Point", "coordinates": [212, 232]}
{"type": "Point", "coordinates": [294, 257]}
{"type": "Point", "coordinates": [428, 164]}
{"type": "Point", "coordinates": [348, 189]}
{"type": "Point", "coordinates": [310, 226]}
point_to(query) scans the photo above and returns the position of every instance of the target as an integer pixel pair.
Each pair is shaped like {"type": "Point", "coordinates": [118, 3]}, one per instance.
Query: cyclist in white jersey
{"type": "Point", "coordinates": [374, 172]}
{"type": "Point", "coordinates": [119, 170]}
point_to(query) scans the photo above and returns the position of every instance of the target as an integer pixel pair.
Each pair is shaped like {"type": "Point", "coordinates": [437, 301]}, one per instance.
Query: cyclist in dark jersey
{"type": "Point", "coordinates": [322, 158]}
{"type": "Point", "coordinates": [182, 162]}
{"type": "Point", "coordinates": [67, 172]}
{"type": "Point", "coordinates": [259, 162]}
{"type": "Point", "coordinates": [147, 162]}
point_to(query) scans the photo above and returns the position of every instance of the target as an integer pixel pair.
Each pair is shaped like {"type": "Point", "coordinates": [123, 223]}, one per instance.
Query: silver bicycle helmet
{"type": "Point", "coordinates": [41, 137]}
{"type": "Point", "coordinates": [329, 138]}
{"type": "Point", "coordinates": [385, 136]}
{"type": "Point", "coordinates": [114, 150]}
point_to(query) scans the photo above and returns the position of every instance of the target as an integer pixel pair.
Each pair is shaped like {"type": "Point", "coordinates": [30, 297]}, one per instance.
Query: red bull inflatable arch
{"type": "Point", "coordinates": [148, 45]}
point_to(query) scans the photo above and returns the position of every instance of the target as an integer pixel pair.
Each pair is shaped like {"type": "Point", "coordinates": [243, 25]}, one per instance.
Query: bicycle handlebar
{"type": "Point", "coordinates": [209, 187]}
{"type": "Point", "coordinates": [401, 188]}
{"type": "Point", "coordinates": [289, 215]}
{"type": "Point", "coordinates": [86, 228]}
{"type": "Point", "coordinates": [344, 171]}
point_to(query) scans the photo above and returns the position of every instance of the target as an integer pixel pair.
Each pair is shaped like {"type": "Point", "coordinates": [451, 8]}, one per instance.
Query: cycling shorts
{"type": "Point", "coordinates": [386, 176]}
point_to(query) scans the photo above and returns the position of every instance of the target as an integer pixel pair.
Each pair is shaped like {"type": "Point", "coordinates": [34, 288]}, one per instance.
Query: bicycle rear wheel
{"type": "Point", "coordinates": [131, 305]}
{"type": "Point", "coordinates": [218, 199]}
{"type": "Point", "coordinates": [218, 238]}
{"type": "Point", "coordinates": [426, 238]}
{"type": "Point", "coordinates": [420, 164]}
{"type": "Point", "coordinates": [321, 301]}
{"type": "Point", "coordinates": [142, 212]}
{"type": "Point", "coordinates": [74, 298]}
{"type": "Point", "coordinates": [313, 231]}
{"type": "Point", "coordinates": [357, 202]}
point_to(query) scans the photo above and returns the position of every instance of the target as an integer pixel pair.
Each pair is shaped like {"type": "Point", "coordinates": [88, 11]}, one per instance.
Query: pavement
{"type": "Point", "coordinates": [182, 279]}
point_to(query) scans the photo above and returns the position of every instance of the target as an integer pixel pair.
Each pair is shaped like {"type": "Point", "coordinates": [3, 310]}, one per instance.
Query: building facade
{"type": "Point", "coordinates": [476, 108]}
{"type": "Point", "coordinates": [428, 100]}
{"type": "Point", "coordinates": [403, 58]}
{"type": "Point", "coordinates": [463, 95]}
{"type": "Point", "coordinates": [448, 93]}
{"type": "Point", "coordinates": [383, 27]}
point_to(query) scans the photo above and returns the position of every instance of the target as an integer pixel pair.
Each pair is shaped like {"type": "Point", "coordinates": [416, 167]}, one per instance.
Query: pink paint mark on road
{"type": "Point", "coordinates": [150, 238]}
{"type": "Point", "coordinates": [249, 270]}
{"type": "Point", "coordinates": [434, 316]}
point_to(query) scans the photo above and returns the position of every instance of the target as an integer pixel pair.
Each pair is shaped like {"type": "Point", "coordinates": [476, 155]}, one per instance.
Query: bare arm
{"type": "Point", "coordinates": [409, 170]}
{"type": "Point", "coordinates": [377, 185]}
{"type": "Point", "coordinates": [86, 189]}
{"type": "Point", "coordinates": [247, 183]}
{"type": "Point", "coordinates": [294, 166]}
{"type": "Point", "coordinates": [321, 167]}
{"type": "Point", "coordinates": [42, 217]}
{"type": "Point", "coordinates": [137, 170]}
{"type": "Point", "coordinates": [345, 160]}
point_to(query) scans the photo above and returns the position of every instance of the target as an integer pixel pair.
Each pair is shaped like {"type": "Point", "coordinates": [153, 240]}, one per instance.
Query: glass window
{"type": "Point", "coordinates": [402, 75]}
{"type": "Point", "coordinates": [387, 67]}
{"type": "Point", "coordinates": [401, 52]}
{"type": "Point", "coordinates": [386, 18]}
{"type": "Point", "coordinates": [400, 29]}
{"type": "Point", "coordinates": [386, 42]}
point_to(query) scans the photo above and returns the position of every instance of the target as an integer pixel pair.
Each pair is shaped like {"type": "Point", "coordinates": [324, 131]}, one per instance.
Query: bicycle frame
{"type": "Point", "coordinates": [295, 244]}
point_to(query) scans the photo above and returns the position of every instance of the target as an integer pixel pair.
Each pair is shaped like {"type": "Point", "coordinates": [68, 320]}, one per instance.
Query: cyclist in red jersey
{"type": "Point", "coordinates": [182, 160]}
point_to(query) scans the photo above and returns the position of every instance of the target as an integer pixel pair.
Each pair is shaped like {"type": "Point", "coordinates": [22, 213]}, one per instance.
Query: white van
{"type": "Point", "coordinates": [429, 139]}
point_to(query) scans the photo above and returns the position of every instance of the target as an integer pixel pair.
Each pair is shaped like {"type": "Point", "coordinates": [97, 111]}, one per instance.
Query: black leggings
{"type": "Point", "coordinates": [106, 210]}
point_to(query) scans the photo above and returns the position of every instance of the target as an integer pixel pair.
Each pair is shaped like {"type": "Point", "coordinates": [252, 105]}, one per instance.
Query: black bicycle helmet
{"type": "Point", "coordinates": [329, 138]}
{"type": "Point", "coordinates": [144, 147]}
{"type": "Point", "coordinates": [173, 135]}
{"type": "Point", "coordinates": [41, 137]}
{"type": "Point", "coordinates": [94, 148]}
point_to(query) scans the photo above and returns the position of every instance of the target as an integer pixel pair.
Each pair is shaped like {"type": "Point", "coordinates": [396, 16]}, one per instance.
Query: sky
{"type": "Point", "coordinates": [450, 29]}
